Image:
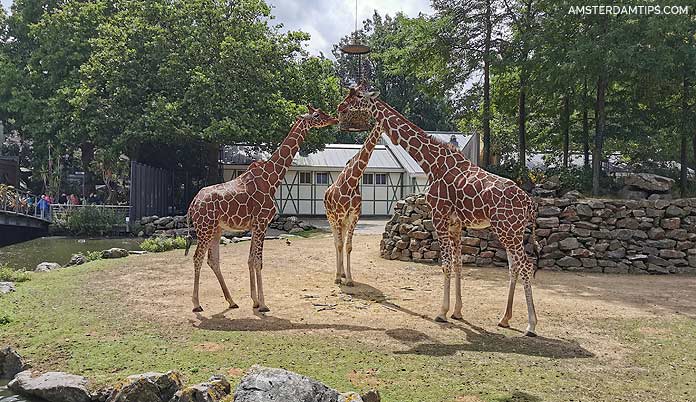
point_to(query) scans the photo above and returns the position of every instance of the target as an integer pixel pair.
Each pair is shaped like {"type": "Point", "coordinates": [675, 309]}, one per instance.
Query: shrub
{"type": "Point", "coordinates": [89, 220]}
{"type": "Point", "coordinates": [159, 244]}
{"type": "Point", "coordinates": [10, 275]}
{"type": "Point", "coordinates": [5, 318]}
{"type": "Point", "coordinates": [93, 255]}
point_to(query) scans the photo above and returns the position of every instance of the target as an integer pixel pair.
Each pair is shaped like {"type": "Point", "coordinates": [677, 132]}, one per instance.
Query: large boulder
{"type": "Point", "coordinates": [11, 363]}
{"type": "Point", "coordinates": [214, 390]}
{"type": "Point", "coordinates": [264, 384]}
{"type": "Point", "coordinates": [6, 287]}
{"type": "Point", "coordinates": [51, 386]}
{"type": "Point", "coordinates": [77, 259]}
{"type": "Point", "coordinates": [114, 252]}
{"type": "Point", "coordinates": [47, 266]}
{"type": "Point", "coordinates": [147, 387]}
{"type": "Point", "coordinates": [649, 182]}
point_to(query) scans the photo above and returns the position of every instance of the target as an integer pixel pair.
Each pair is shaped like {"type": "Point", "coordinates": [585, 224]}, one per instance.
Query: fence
{"type": "Point", "coordinates": [20, 202]}
{"type": "Point", "coordinates": [151, 191]}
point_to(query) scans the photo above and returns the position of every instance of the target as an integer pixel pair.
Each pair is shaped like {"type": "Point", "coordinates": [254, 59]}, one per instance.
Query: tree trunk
{"type": "Point", "coordinates": [683, 173]}
{"type": "Point", "coordinates": [487, 89]}
{"type": "Point", "coordinates": [585, 127]}
{"type": "Point", "coordinates": [522, 122]}
{"type": "Point", "coordinates": [600, 123]}
{"type": "Point", "coordinates": [87, 150]}
{"type": "Point", "coordinates": [565, 125]}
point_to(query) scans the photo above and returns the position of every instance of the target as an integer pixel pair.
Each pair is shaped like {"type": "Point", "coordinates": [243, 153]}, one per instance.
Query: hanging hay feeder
{"type": "Point", "coordinates": [354, 120]}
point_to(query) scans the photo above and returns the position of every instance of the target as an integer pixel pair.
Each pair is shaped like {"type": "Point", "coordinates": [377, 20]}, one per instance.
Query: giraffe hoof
{"type": "Point", "coordinates": [197, 309]}
{"type": "Point", "coordinates": [440, 319]}
{"type": "Point", "coordinates": [264, 309]}
{"type": "Point", "coordinates": [530, 334]}
{"type": "Point", "coordinates": [503, 325]}
{"type": "Point", "coordinates": [457, 317]}
{"type": "Point", "coordinates": [337, 281]}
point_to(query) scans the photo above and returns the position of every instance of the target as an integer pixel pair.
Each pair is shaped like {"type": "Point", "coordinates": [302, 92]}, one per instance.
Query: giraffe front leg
{"type": "Point", "coordinates": [252, 277]}
{"type": "Point", "coordinates": [257, 238]}
{"type": "Point", "coordinates": [446, 258]}
{"type": "Point", "coordinates": [456, 240]}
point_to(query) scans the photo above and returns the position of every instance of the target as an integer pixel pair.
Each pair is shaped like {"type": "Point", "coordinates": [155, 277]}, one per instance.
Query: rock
{"type": "Point", "coordinates": [549, 210]}
{"type": "Point", "coordinates": [51, 386]}
{"type": "Point", "coordinates": [671, 223]}
{"type": "Point", "coordinates": [649, 182]}
{"type": "Point", "coordinates": [296, 230]}
{"type": "Point", "coordinates": [11, 363]}
{"type": "Point", "coordinates": [584, 210]}
{"type": "Point", "coordinates": [568, 261]}
{"type": "Point", "coordinates": [214, 390]}
{"type": "Point", "coordinates": [150, 229]}
{"type": "Point", "coordinates": [263, 384]}
{"type": "Point", "coordinates": [573, 194]}
{"type": "Point", "coordinates": [551, 222]}
{"type": "Point", "coordinates": [77, 259]}
{"type": "Point", "coordinates": [371, 396]}
{"type": "Point", "coordinates": [114, 252]}
{"type": "Point", "coordinates": [674, 211]}
{"type": "Point", "coordinates": [656, 234]}
{"type": "Point", "coordinates": [568, 243]}
{"type": "Point", "coordinates": [6, 287]}
{"type": "Point", "coordinates": [420, 235]}
{"type": "Point", "coordinates": [627, 193]}
{"type": "Point", "coordinates": [668, 254]}
{"type": "Point", "coordinates": [147, 387]}
{"type": "Point", "coordinates": [47, 266]}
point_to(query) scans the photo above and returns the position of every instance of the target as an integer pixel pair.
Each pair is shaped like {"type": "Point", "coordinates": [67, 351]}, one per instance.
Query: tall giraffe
{"type": "Point", "coordinates": [343, 203]}
{"type": "Point", "coordinates": [246, 203]}
{"type": "Point", "coordinates": [461, 195]}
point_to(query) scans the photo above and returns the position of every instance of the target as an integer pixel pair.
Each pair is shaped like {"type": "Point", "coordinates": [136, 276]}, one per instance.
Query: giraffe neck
{"type": "Point", "coordinates": [281, 159]}
{"type": "Point", "coordinates": [362, 158]}
{"type": "Point", "coordinates": [422, 148]}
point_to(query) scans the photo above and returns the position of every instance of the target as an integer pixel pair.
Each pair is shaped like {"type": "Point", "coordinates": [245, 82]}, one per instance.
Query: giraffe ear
{"type": "Point", "coordinates": [310, 108]}
{"type": "Point", "coordinates": [373, 94]}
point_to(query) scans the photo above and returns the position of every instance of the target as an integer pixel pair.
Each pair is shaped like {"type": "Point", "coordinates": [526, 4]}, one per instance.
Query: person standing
{"type": "Point", "coordinates": [44, 207]}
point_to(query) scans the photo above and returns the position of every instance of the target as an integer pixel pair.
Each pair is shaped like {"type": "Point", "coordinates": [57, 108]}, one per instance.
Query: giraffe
{"type": "Point", "coordinates": [461, 195]}
{"type": "Point", "coordinates": [343, 202]}
{"type": "Point", "coordinates": [245, 203]}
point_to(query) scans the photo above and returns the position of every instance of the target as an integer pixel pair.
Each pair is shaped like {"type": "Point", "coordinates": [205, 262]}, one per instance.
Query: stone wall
{"type": "Point", "coordinates": [177, 226]}
{"type": "Point", "coordinates": [591, 235]}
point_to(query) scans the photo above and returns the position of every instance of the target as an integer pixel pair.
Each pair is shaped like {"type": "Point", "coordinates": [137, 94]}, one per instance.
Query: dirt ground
{"type": "Point", "coordinates": [393, 302]}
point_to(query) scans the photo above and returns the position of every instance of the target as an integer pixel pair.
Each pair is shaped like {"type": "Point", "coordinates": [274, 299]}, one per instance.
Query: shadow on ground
{"type": "Point", "coordinates": [218, 322]}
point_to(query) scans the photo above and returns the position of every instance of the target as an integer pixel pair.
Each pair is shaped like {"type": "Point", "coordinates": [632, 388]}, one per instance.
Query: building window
{"type": "Point", "coordinates": [368, 178]}
{"type": "Point", "coordinates": [381, 178]}
{"type": "Point", "coordinates": [322, 178]}
{"type": "Point", "coordinates": [305, 178]}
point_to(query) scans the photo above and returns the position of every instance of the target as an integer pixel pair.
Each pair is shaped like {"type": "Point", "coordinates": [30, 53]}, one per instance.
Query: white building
{"type": "Point", "coordinates": [390, 176]}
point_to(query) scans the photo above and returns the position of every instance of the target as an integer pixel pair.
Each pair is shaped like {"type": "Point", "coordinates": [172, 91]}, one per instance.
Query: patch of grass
{"type": "Point", "coordinates": [5, 318]}
{"type": "Point", "coordinates": [9, 275]}
{"type": "Point", "coordinates": [160, 244]}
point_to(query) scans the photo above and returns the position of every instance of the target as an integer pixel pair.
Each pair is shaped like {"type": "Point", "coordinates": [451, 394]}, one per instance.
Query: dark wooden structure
{"type": "Point", "coordinates": [151, 191]}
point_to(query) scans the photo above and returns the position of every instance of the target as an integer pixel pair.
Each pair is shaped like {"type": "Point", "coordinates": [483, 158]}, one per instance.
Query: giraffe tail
{"type": "Point", "coordinates": [533, 238]}
{"type": "Point", "coordinates": [189, 239]}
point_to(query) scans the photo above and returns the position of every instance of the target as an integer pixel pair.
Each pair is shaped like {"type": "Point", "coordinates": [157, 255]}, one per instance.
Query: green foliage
{"type": "Point", "coordinates": [9, 275]}
{"type": "Point", "coordinates": [5, 318]}
{"type": "Point", "coordinates": [159, 244]}
{"type": "Point", "coordinates": [93, 255]}
{"type": "Point", "coordinates": [89, 220]}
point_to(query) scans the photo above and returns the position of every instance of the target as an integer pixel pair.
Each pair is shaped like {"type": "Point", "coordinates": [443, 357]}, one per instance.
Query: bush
{"type": "Point", "coordinates": [9, 275]}
{"type": "Point", "coordinates": [159, 244]}
{"type": "Point", "coordinates": [89, 220]}
{"type": "Point", "coordinates": [93, 255]}
{"type": "Point", "coordinates": [5, 318]}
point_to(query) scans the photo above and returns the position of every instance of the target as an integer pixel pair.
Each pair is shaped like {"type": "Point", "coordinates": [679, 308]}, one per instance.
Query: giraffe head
{"type": "Point", "coordinates": [360, 97]}
{"type": "Point", "coordinates": [317, 118]}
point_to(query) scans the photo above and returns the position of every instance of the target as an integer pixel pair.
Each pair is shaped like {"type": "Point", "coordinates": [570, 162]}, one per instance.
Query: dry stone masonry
{"type": "Point", "coordinates": [591, 235]}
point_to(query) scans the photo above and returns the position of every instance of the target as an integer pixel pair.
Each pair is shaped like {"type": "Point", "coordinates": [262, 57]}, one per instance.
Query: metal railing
{"type": "Point", "coordinates": [21, 202]}
{"type": "Point", "coordinates": [60, 212]}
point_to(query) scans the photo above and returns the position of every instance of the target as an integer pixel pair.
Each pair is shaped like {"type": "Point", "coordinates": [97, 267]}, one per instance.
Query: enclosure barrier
{"type": "Point", "coordinates": [590, 235]}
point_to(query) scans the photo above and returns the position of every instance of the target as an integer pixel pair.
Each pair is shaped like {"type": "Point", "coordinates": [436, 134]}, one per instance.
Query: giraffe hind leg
{"type": "Point", "coordinates": [201, 249]}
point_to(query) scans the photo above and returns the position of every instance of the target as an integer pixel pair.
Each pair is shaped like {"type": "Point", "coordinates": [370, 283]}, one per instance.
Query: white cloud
{"type": "Point", "coordinates": [328, 21]}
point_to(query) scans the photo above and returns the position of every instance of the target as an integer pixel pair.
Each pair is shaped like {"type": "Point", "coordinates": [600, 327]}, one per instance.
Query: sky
{"type": "Point", "coordinates": [329, 20]}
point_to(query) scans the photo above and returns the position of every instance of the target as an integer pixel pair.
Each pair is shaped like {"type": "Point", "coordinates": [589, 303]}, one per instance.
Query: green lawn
{"type": "Point", "coordinates": [60, 321]}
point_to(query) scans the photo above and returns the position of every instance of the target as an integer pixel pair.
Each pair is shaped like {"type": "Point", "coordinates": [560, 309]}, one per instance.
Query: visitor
{"type": "Point", "coordinates": [74, 200]}
{"type": "Point", "coordinates": [44, 207]}
{"type": "Point", "coordinates": [93, 199]}
{"type": "Point", "coordinates": [63, 199]}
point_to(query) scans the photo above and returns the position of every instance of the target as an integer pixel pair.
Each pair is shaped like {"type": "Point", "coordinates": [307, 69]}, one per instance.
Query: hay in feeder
{"type": "Point", "coordinates": [354, 120]}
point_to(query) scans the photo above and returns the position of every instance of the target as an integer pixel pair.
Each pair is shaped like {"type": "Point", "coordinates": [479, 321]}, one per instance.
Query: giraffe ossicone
{"type": "Point", "coordinates": [461, 195]}
{"type": "Point", "coordinates": [246, 203]}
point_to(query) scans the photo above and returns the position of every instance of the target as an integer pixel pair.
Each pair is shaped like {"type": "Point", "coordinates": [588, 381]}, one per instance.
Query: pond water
{"type": "Point", "coordinates": [7, 396]}
{"type": "Point", "coordinates": [29, 254]}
